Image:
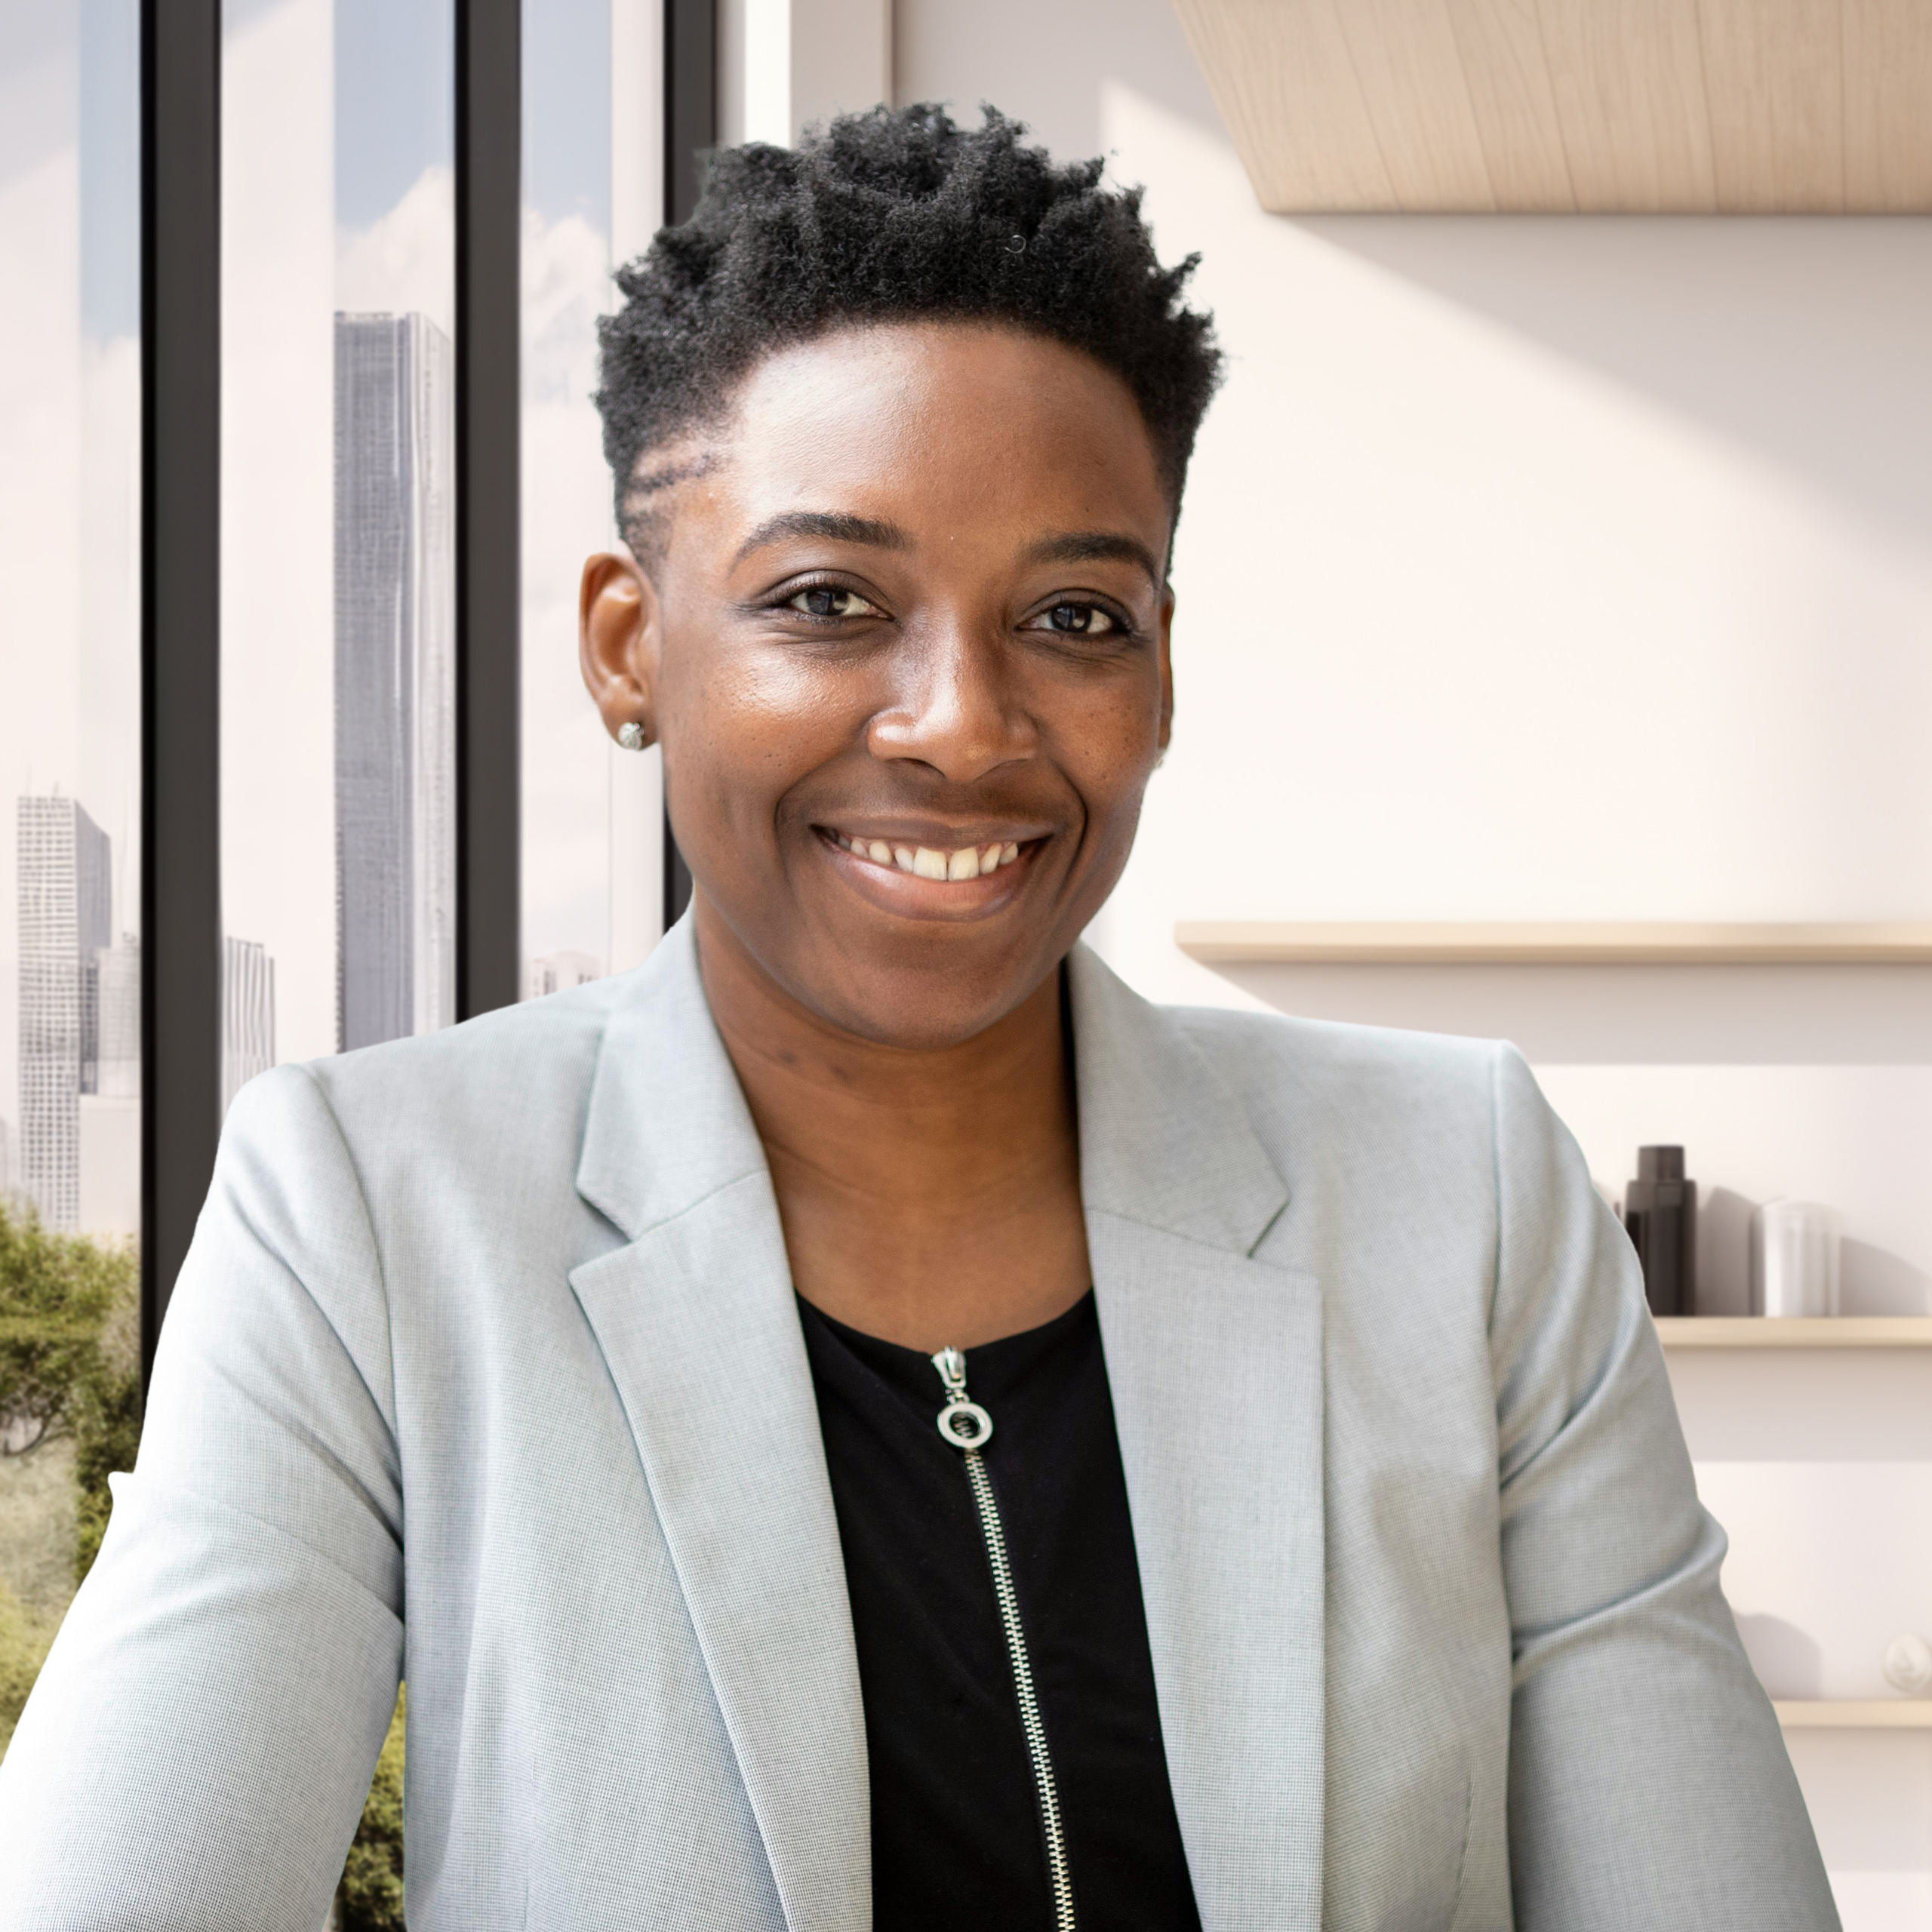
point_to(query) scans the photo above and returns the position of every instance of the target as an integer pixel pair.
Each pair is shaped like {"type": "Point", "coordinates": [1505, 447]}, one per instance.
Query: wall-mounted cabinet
{"type": "Point", "coordinates": [1575, 107]}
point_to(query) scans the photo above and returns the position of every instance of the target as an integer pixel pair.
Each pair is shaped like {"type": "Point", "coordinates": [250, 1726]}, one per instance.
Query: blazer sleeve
{"type": "Point", "coordinates": [197, 1750]}
{"type": "Point", "coordinates": [1649, 1783]}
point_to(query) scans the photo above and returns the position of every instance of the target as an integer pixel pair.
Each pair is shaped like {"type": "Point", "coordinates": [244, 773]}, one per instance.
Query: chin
{"type": "Point", "coordinates": [924, 1005]}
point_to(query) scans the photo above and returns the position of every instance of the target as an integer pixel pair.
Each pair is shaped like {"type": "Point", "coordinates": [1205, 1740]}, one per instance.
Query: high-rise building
{"type": "Point", "coordinates": [110, 1105]}
{"type": "Point", "coordinates": [65, 910]}
{"type": "Point", "coordinates": [247, 1015]}
{"type": "Point", "coordinates": [117, 1007]}
{"type": "Point", "coordinates": [394, 679]}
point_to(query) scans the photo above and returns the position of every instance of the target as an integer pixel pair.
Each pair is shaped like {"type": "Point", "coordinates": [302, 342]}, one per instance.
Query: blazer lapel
{"type": "Point", "coordinates": [1215, 1362]}
{"type": "Point", "coordinates": [696, 1320]}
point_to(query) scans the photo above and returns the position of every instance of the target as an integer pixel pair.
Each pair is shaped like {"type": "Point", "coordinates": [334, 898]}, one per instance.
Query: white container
{"type": "Point", "coordinates": [1794, 1247]}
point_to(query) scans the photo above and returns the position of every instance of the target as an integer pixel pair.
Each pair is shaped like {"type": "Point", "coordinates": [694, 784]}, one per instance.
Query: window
{"type": "Point", "coordinates": [363, 668]}
{"type": "Point", "coordinates": [70, 748]}
{"type": "Point", "coordinates": [338, 656]}
{"type": "Point", "coordinates": [593, 196]}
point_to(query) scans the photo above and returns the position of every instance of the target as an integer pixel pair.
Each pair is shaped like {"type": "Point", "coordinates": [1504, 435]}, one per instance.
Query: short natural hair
{"type": "Point", "coordinates": [895, 215]}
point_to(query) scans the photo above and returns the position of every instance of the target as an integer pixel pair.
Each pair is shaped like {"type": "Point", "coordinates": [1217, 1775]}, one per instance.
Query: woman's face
{"type": "Point", "coordinates": [906, 648]}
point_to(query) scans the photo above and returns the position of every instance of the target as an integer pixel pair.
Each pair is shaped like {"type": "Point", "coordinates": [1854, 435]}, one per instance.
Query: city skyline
{"type": "Point", "coordinates": [72, 1150]}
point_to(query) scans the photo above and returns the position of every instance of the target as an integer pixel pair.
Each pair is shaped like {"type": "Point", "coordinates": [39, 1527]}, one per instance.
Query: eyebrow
{"type": "Point", "coordinates": [1081, 546]}
{"type": "Point", "coordinates": [832, 525]}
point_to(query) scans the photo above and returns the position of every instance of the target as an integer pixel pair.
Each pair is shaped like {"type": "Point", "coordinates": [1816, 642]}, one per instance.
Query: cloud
{"type": "Point", "coordinates": [406, 259]}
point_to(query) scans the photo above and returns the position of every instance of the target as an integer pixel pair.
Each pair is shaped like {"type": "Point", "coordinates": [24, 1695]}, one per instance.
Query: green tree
{"type": "Point", "coordinates": [24, 1642]}
{"type": "Point", "coordinates": [68, 1327]}
{"type": "Point", "coordinates": [370, 1898]}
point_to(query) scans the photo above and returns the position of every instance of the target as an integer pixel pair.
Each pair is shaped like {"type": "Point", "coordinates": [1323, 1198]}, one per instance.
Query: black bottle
{"type": "Point", "coordinates": [1660, 1215]}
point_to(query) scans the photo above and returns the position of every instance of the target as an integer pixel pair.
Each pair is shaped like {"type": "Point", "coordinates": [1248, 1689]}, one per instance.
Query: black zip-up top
{"type": "Point", "coordinates": [1017, 1774]}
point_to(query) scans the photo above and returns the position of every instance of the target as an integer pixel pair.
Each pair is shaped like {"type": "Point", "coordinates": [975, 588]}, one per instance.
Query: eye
{"type": "Point", "coordinates": [833, 601]}
{"type": "Point", "coordinates": [1082, 619]}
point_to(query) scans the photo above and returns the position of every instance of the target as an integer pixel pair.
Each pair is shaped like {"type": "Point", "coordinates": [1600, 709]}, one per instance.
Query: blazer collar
{"type": "Point", "coordinates": [696, 1321]}
{"type": "Point", "coordinates": [1163, 1140]}
{"type": "Point", "coordinates": [668, 1125]}
{"type": "Point", "coordinates": [1214, 1359]}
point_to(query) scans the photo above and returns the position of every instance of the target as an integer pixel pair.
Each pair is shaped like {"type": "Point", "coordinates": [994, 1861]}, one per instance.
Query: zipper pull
{"type": "Point", "coordinates": [964, 1424]}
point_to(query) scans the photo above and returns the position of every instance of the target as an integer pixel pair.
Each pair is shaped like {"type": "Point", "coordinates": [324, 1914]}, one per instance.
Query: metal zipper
{"type": "Point", "coordinates": [968, 1428]}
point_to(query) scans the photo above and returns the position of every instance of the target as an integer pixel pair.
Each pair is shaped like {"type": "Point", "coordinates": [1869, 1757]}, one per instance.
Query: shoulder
{"type": "Point", "coordinates": [1364, 1082]}
{"type": "Point", "coordinates": [497, 1096]}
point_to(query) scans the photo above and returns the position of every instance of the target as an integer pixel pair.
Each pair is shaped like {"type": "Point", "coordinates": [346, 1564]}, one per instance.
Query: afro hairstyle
{"type": "Point", "coordinates": [889, 215]}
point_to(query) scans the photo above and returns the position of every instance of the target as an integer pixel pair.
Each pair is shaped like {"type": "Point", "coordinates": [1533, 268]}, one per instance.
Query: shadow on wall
{"type": "Point", "coordinates": [1789, 1663]}
{"type": "Point", "coordinates": [1710, 317]}
{"type": "Point", "coordinates": [1873, 1280]}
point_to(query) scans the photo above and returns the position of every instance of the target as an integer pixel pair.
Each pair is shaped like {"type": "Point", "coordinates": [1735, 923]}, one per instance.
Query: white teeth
{"type": "Point", "coordinates": [928, 861]}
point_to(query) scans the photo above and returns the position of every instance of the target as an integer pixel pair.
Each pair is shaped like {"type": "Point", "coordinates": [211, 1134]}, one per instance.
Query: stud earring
{"type": "Point", "coordinates": [630, 735]}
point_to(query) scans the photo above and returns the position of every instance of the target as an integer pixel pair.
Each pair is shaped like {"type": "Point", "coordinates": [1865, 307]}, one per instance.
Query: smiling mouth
{"type": "Point", "coordinates": [930, 861]}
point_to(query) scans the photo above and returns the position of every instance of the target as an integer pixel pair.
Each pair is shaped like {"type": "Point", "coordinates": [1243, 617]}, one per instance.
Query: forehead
{"type": "Point", "coordinates": [939, 428]}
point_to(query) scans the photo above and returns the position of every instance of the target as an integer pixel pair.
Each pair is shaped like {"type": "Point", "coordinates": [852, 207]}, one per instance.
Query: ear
{"type": "Point", "coordinates": [620, 635]}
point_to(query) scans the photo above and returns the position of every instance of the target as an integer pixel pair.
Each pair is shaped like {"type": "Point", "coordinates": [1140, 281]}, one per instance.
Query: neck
{"type": "Point", "coordinates": [931, 1197]}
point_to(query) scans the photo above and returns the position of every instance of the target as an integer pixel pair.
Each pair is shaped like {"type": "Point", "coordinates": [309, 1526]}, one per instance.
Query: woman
{"type": "Point", "coordinates": [864, 1419]}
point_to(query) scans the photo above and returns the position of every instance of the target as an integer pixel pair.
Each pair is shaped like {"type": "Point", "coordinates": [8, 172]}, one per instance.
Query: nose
{"type": "Point", "coordinates": [954, 707]}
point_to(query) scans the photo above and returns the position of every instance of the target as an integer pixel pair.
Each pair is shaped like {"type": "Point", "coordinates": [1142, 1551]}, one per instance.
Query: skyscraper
{"type": "Point", "coordinates": [110, 1105]}
{"type": "Point", "coordinates": [247, 1015]}
{"type": "Point", "coordinates": [394, 679]}
{"type": "Point", "coordinates": [118, 1020]}
{"type": "Point", "coordinates": [65, 910]}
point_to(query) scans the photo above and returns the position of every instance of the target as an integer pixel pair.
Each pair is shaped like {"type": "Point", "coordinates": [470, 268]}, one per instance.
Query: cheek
{"type": "Point", "coordinates": [1108, 744]}
{"type": "Point", "coordinates": [741, 726]}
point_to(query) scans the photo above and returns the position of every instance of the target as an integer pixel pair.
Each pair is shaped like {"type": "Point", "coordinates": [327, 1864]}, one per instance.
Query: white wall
{"type": "Point", "coordinates": [783, 64]}
{"type": "Point", "coordinates": [1541, 568]}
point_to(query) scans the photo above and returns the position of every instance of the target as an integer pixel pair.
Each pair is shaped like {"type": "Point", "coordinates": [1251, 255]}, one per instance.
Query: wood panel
{"type": "Point", "coordinates": [1888, 118]}
{"type": "Point", "coordinates": [1292, 943]}
{"type": "Point", "coordinates": [1500, 45]}
{"type": "Point", "coordinates": [1758, 1331]}
{"type": "Point", "coordinates": [1687, 106]}
{"type": "Point", "coordinates": [1285, 83]}
{"type": "Point", "coordinates": [1406, 63]}
{"type": "Point", "coordinates": [1854, 1714]}
{"type": "Point", "coordinates": [1774, 84]}
{"type": "Point", "coordinates": [1628, 79]}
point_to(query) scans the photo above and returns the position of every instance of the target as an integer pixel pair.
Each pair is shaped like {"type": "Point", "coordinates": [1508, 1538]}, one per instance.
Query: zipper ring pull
{"type": "Point", "coordinates": [965, 1425]}
{"type": "Point", "coordinates": [962, 1424]}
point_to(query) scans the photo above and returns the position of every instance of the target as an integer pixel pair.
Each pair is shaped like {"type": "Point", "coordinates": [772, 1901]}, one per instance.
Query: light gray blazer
{"type": "Point", "coordinates": [485, 1369]}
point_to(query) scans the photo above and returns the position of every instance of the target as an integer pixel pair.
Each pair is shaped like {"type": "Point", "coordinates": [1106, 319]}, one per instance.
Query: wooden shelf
{"type": "Point", "coordinates": [1290, 943]}
{"type": "Point", "coordinates": [1753, 1331]}
{"type": "Point", "coordinates": [1575, 107]}
{"type": "Point", "coordinates": [1850, 1714]}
